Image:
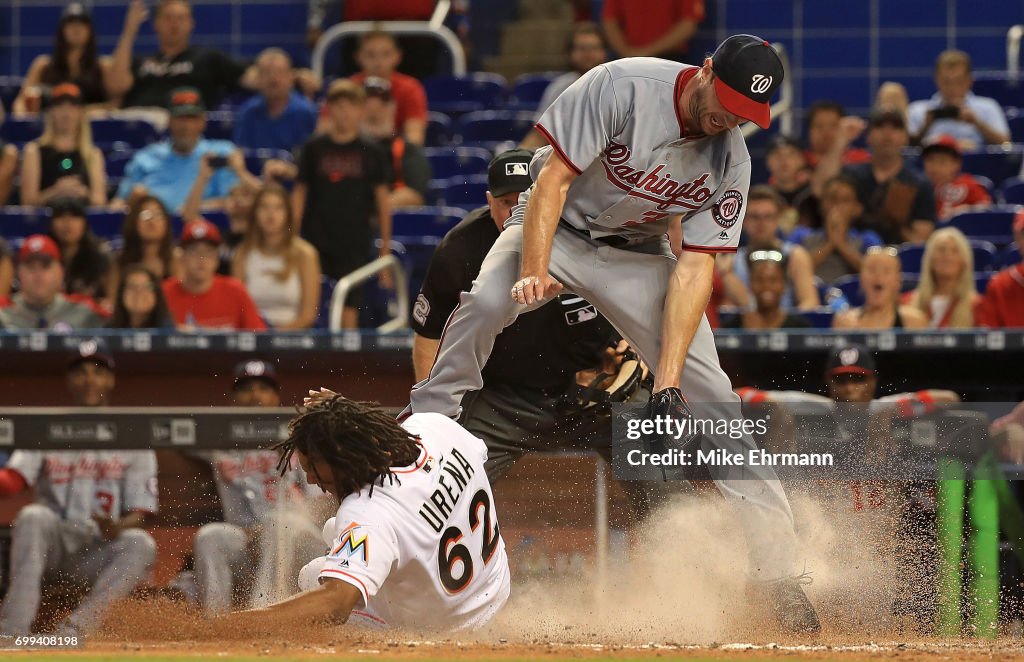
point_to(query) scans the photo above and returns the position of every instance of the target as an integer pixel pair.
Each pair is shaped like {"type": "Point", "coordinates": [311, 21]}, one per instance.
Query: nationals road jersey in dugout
{"type": "Point", "coordinates": [79, 484]}
{"type": "Point", "coordinates": [619, 128]}
{"type": "Point", "coordinates": [424, 551]}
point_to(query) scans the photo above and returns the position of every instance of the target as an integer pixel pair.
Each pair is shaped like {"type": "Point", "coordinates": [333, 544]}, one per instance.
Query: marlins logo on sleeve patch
{"type": "Point", "coordinates": [727, 210]}
{"type": "Point", "coordinates": [354, 543]}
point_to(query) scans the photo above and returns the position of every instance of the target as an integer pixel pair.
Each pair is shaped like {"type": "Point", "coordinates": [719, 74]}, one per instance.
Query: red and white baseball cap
{"type": "Point", "coordinates": [200, 229]}
{"type": "Point", "coordinates": [747, 73]}
{"type": "Point", "coordinates": [39, 247]}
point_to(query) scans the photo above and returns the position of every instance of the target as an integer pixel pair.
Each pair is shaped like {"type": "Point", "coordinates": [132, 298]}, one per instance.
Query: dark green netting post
{"type": "Point", "coordinates": [949, 524]}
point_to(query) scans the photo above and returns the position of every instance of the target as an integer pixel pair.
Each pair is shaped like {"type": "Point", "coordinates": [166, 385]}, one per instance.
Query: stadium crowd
{"type": "Point", "coordinates": [257, 187]}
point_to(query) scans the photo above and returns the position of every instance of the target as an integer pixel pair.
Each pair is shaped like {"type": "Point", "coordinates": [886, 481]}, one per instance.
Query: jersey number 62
{"type": "Point", "coordinates": [450, 551]}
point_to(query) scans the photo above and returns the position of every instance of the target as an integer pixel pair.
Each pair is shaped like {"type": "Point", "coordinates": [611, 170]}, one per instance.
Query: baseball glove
{"type": "Point", "coordinates": [670, 404]}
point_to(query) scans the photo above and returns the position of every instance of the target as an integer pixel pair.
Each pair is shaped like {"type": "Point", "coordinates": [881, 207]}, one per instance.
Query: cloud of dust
{"type": "Point", "coordinates": [683, 580]}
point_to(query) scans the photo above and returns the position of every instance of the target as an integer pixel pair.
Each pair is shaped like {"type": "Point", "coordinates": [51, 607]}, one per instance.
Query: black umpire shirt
{"type": "Point", "coordinates": [542, 349]}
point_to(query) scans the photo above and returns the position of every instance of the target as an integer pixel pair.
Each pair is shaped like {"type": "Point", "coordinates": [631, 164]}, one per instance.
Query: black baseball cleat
{"type": "Point", "coordinates": [793, 610]}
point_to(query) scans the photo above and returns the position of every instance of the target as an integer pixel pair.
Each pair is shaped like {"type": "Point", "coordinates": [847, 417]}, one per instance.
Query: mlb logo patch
{"type": "Point", "coordinates": [580, 315]}
{"type": "Point", "coordinates": [517, 169]}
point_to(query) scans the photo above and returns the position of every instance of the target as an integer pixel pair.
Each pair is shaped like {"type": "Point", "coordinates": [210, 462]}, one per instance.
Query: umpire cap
{"type": "Point", "coordinates": [509, 172]}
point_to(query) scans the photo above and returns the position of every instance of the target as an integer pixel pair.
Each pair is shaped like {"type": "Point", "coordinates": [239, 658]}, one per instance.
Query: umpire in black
{"type": "Point", "coordinates": [547, 366]}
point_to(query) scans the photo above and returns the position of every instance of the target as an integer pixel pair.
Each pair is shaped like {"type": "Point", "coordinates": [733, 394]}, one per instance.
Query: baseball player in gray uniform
{"type": "Point", "coordinates": [249, 551]}
{"type": "Point", "coordinates": [86, 518]}
{"type": "Point", "coordinates": [636, 146]}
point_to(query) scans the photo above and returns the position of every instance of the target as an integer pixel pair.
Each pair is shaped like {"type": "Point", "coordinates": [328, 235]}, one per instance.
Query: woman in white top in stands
{"type": "Point", "coordinates": [280, 269]}
{"type": "Point", "coordinates": [946, 293]}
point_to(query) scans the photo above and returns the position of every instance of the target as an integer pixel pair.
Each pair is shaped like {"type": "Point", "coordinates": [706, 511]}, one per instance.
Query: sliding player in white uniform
{"type": "Point", "coordinates": [416, 541]}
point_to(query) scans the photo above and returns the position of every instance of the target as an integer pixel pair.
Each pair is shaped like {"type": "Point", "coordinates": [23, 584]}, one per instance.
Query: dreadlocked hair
{"type": "Point", "coordinates": [358, 439]}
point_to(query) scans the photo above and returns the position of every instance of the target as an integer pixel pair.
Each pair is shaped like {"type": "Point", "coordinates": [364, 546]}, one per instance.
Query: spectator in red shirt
{"type": "Point", "coordinates": [379, 55]}
{"type": "Point", "coordinates": [1003, 303]}
{"type": "Point", "coordinates": [954, 190]}
{"type": "Point", "coordinates": [651, 28]}
{"type": "Point", "coordinates": [202, 299]}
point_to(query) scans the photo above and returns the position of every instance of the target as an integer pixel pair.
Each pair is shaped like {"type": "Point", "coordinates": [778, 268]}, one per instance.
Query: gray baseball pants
{"type": "Point", "coordinates": [628, 286]}
{"type": "Point", "coordinates": [43, 542]}
{"type": "Point", "coordinates": [229, 557]}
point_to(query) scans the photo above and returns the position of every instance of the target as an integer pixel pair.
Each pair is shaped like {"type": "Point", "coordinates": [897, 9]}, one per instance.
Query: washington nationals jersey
{"type": "Point", "coordinates": [80, 484]}
{"type": "Point", "coordinates": [620, 130]}
{"type": "Point", "coordinates": [424, 550]}
{"type": "Point", "coordinates": [249, 483]}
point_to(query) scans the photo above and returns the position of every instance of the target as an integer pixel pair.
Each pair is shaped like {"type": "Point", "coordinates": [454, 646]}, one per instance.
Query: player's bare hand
{"type": "Point", "coordinates": [535, 288]}
{"type": "Point", "coordinates": [316, 397]}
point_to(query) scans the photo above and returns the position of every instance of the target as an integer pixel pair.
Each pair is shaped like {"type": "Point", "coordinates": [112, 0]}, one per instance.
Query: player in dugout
{"type": "Point", "coordinates": [415, 542]}
{"type": "Point", "coordinates": [88, 516]}
{"type": "Point", "coordinates": [267, 533]}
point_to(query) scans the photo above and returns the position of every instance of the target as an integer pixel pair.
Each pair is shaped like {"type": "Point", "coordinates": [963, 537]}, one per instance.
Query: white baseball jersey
{"type": "Point", "coordinates": [80, 484]}
{"type": "Point", "coordinates": [425, 551]}
{"type": "Point", "coordinates": [619, 128]}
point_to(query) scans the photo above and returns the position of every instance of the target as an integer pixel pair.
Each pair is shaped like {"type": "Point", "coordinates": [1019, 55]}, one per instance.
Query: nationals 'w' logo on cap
{"type": "Point", "coordinates": [747, 73]}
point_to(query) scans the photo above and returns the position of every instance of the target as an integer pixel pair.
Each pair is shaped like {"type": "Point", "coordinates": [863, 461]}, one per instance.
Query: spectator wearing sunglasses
{"type": "Point", "coordinates": [767, 271]}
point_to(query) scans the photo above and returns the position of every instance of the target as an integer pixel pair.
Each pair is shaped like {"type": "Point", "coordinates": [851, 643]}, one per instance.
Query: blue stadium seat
{"type": "Point", "coordinates": [462, 94]}
{"type": "Point", "coordinates": [254, 158]}
{"type": "Point", "coordinates": [820, 318]}
{"type": "Point", "coordinates": [106, 224]}
{"type": "Point", "coordinates": [420, 221]}
{"type": "Point", "coordinates": [494, 126]}
{"type": "Point", "coordinates": [994, 225]}
{"type": "Point", "coordinates": [326, 290]}
{"type": "Point", "coordinates": [996, 163]}
{"type": "Point", "coordinates": [908, 282]}
{"type": "Point", "coordinates": [984, 254]}
{"type": "Point", "coordinates": [981, 281]}
{"type": "Point", "coordinates": [447, 162]}
{"type": "Point", "coordinates": [528, 89]}
{"type": "Point", "coordinates": [1007, 258]}
{"type": "Point", "coordinates": [435, 192]}
{"type": "Point", "coordinates": [1016, 128]}
{"type": "Point", "coordinates": [17, 222]}
{"type": "Point", "coordinates": [220, 125]}
{"type": "Point", "coordinates": [466, 192]}
{"type": "Point", "coordinates": [850, 287]}
{"type": "Point", "coordinates": [9, 88]}
{"type": "Point", "coordinates": [19, 131]}
{"type": "Point", "coordinates": [117, 161]}
{"type": "Point", "coordinates": [989, 185]}
{"type": "Point", "coordinates": [218, 218]}
{"type": "Point", "coordinates": [439, 129]}
{"type": "Point", "coordinates": [1012, 191]}
{"type": "Point", "coordinates": [997, 86]}
{"type": "Point", "coordinates": [911, 254]}
{"type": "Point", "coordinates": [111, 133]}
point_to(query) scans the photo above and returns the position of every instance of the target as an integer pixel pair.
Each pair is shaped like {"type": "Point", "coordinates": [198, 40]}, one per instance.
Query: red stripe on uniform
{"type": "Point", "coordinates": [708, 249]}
{"type": "Point", "coordinates": [558, 148]}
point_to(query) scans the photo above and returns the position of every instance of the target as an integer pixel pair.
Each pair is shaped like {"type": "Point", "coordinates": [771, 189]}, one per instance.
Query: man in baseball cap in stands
{"type": "Point", "coordinates": [201, 298]}
{"type": "Point", "coordinates": [954, 189]}
{"type": "Point", "coordinates": [186, 171]}
{"type": "Point", "coordinates": [40, 304]}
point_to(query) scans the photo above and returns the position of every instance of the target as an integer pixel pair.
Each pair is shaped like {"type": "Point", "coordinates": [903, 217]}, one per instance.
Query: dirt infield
{"type": "Point", "coordinates": [678, 590]}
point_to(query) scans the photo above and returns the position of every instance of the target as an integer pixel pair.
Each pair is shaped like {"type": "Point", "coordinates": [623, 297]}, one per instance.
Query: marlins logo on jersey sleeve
{"type": "Point", "coordinates": [363, 556]}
